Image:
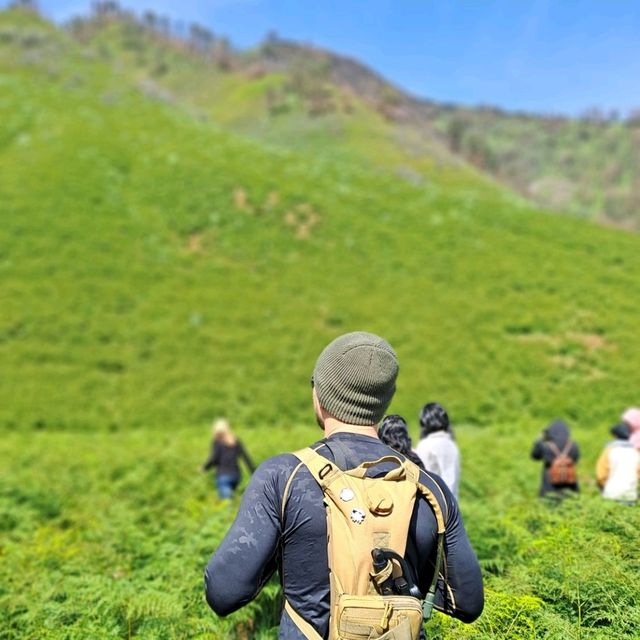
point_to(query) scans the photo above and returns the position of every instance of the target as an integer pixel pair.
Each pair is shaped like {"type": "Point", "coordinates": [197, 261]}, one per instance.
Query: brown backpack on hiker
{"type": "Point", "coordinates": [369, 518]}
{"type": "Point", "coordinates": [562, 471]}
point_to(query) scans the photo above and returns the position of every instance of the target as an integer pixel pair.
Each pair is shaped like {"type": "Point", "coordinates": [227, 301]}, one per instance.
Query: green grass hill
{"type": "Point", "coordinates": [159, 269]}
{"type": "Point", "coordinates": [587, 166]}
{"type": "Point", "coordinates": [290, 94]}
{"type": "Point", "coordinates": [168, 256]}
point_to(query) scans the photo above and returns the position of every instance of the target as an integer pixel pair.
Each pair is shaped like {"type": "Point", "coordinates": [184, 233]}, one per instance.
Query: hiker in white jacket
{"type": "Point", "coordinates": [437, 448]}
{"type": "Point", "coordinates": [618, 467]}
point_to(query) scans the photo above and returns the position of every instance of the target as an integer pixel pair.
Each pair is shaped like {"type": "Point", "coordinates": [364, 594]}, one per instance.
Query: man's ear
{"type": "Point", "coordinates": [316, 404]}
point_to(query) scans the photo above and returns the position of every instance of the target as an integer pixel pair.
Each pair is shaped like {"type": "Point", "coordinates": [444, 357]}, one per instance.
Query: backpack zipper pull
{"type": "Point", "coordinates": [384, 622]}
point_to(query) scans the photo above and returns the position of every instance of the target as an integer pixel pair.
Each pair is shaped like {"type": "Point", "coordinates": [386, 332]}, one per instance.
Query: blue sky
{"type": "Point", "coordinates": [551, 56]}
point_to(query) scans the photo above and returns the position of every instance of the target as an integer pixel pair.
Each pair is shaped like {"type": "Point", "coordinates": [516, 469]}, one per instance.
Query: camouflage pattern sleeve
{"type": "Point", "coordinates": [247, 556]}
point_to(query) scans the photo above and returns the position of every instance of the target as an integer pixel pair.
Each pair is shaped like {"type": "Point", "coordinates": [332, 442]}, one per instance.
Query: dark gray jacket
{"type": "Point", "coordinates": [558, 433]}
{"type": "Point", "coordinates": [225, 458]}
{"type": "Point", "coordinates": [261, 541]}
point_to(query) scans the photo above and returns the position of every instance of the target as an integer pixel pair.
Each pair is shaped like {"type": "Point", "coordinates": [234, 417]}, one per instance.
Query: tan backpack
{"type": "Point", "coordinates": [562, 470]}
{"type": "Point", "coordinates": [367, 518]}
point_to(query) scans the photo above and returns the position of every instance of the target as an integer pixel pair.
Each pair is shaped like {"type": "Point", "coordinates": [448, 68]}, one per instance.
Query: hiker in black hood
{"type": "Point", "coordinates": [555, 440]}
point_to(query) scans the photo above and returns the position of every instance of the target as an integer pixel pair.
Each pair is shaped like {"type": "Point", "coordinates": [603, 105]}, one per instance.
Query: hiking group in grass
{"type": "Point", "coordinates": [364, 531]}
{"type": "Point", "coordinates": [617, 468]}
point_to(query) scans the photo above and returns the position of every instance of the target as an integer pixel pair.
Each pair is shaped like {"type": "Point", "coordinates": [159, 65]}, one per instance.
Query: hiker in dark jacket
{"type": "Point", "coordinates": [226, 450]}
{"type": "Point", "coordinates": [282, 524]}
{"type": "Point", "coordinates": [394, 432]}
{"type": "Point", "coordinates": [555, 439]}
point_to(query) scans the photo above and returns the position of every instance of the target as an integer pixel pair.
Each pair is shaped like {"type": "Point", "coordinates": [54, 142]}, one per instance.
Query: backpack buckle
{"type": "Point", "coordinates": [325, 471]}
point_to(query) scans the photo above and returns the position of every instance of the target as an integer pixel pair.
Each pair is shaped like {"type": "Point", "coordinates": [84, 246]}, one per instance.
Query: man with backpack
{"type": "Point", "coordinates": [559, 455]}
{"type": "Point", "coordinates": [397, 543]}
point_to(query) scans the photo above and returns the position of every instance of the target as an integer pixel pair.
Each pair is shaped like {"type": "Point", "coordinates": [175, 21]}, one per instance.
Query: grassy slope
{"type": "Point", "coordinates": [300, 96]}
{"type": "Point", "coordinates": [280, 108]}
{"type": "Point", "coordinates": [585, 167]}
{"type": "Point", "coordinates": [157, 271]}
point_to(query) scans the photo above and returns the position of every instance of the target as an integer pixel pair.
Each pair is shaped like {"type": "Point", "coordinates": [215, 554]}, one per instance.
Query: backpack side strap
{"type": "Point", "coordinates": [303, 626]}
{"type": "Point", "coordinates": [287, 488]}
{"type": "Point", "coordinates": [439, 506]}
{"type": "Point", "coordinates": [413, 472]}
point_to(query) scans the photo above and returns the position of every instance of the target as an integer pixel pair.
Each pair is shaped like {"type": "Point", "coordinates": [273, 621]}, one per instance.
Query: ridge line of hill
{"type": "Point", "coordinates": [589, 167]}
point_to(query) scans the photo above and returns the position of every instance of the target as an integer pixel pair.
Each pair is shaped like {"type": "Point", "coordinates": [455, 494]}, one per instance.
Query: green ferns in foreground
{"type": "Point", "coordinates": [107, 535]}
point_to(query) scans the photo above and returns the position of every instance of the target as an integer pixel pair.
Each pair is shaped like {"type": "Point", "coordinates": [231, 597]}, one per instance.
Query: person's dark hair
{"type": "Point", "coordinates": [433, 417]}
{"type": "Point", "coordinates": [621, 431]}
{"type": "Point", "coordinates": [394, 432]}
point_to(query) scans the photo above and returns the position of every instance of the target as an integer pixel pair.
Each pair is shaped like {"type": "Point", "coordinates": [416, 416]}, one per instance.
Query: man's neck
{"type": "Point", "coordinates": [331, 426]}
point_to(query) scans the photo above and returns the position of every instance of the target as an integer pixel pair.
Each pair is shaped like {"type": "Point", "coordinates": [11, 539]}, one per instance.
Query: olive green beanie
{"type": "Point", "coordinates": [355, 378]}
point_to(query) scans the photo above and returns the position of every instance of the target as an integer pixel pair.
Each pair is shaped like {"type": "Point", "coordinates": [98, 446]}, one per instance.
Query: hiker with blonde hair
{"type": "Point", "coordinates": [226, 450]}
{"type": "Point", "coordinates": [366, 543]}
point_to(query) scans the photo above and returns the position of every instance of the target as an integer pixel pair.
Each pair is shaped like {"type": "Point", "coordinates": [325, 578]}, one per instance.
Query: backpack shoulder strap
{"type": "Point", "coordinates": [439, 511]}
{"type": "Point", "coordinates": [287, 486]}
{"type": "Point", "coordinates": [340, 453]}
{"type": "Point", "coordinates": [554, 447]}
{"type": "Point", "coordinates": [303, 626]}
{"type": "Point", "coordinates": [565, 450]}
{"type": "Point", "coordinates": [322, 469]}
{"type": "Point", "coordinates": [438, 503]}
